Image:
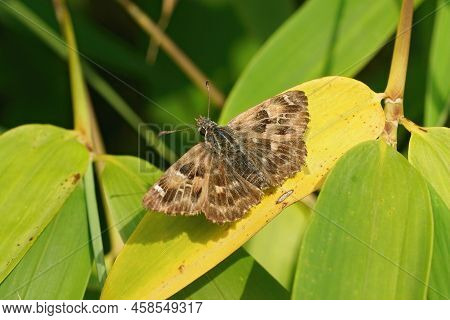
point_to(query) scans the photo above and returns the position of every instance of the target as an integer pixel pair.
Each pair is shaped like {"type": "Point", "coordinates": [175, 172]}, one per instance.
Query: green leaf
{"type": "Point", "coordinates": [437, 98]}
{"type": "Point", "coordinates": [58, 265]}
{"type": "Point", "coordinates": [94, 225]}
{"type": "Point", "coordinates": [263, 17]}
{"type": "Point", "coordinates": [440, 264]}
{"type": "Point", "coordinates": [124, 180]}
{"type": "Point", "coordinates": [429, 152]}
{"type": "Point", "coordinates": [40, 166]}
{"type": "Point", "coordinates": [321, 38]}
{"type": "Point", "coordinates": [237, 277]}
{"type": "Point", "coordinates": [277, 246]}
{"type": "Point", "coordinates": [371, 236]}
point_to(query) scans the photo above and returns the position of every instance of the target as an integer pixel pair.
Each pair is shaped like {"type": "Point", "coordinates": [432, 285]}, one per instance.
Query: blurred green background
{"type": "Point", "coordinates": [219, 36]}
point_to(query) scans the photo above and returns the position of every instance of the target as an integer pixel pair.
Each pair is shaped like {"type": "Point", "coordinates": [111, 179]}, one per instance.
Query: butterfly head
{"type": "Point", "coordinates": [204, 125]}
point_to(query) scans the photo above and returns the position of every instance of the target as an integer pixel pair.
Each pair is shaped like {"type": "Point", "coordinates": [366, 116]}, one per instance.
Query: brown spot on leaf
{"type": "Point", "coordinates": [75, 178]}
{"type": "Point", "coordinates": [181, 268]}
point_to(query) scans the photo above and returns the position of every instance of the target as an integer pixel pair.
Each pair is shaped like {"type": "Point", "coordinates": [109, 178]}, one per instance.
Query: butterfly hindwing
{"type": "Point", "coordinates": [273, 134]}
{"type": "Point", "coordinates": [277, 160]}
{"type": "Point", "coordinates": [184, 186]}
{"type": "Point", "coordinates": [229, 195]}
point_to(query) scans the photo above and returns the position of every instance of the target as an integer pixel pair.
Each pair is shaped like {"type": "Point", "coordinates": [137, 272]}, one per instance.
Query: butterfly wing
{"type": "Point", "coordinates": [273, 134]}
{"type": "Point", "coordinates": [229, 195]}
{"type": "Point", "coordinates": [183, 187]}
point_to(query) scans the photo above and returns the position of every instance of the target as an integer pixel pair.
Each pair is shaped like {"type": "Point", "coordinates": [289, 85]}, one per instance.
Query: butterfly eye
{"type": "Point", "coordinates": [202, 131]}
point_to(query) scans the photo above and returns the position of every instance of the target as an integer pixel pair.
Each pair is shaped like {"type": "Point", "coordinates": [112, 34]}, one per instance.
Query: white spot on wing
{"type": "Point", "coordinates": [273, 146]}
{"type": "Point", "coordinates": [160, 190]}
{"type": "Point", "coordinates": [286, 98]}
{"type": "Point", "coordinates": [178, 173]}
{"type": "Point", "coordinates": [219, 189]}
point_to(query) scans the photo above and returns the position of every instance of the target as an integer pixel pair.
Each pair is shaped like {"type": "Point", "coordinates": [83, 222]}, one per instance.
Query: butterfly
{"type": "Point", "coordinates": [228, 173]}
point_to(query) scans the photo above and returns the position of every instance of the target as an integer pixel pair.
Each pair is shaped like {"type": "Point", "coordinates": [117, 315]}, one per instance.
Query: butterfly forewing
{"type": "Point", "coordinates": [184, 186]}
{"type": "Point", "coordinates": [273, 135]}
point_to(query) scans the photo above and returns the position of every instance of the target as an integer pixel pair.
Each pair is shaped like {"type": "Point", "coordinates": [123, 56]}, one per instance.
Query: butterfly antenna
{"type": "Point", "coordinates": [163, 133]}
{"type": "Point", "coordinates": [209, 96]}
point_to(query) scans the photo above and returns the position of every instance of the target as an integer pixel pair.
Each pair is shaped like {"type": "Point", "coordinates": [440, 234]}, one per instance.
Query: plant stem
{"type": "Point", "coordinates": [84, 116]}
{"type": "Point", "coordinates": [183, 61]}
{"type": "Point", "coordinates": [396, 84]}
{"type": "Point", "coordinates": [116, 242]}
{"type": "Point", "coordinates": [166, 13]}
{"type": "Point", "coordinates": [399, 65]}
{"type": "Point", "coordinates": [80, 101]}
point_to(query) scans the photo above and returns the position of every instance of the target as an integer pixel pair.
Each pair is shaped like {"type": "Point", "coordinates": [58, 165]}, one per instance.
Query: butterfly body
{"type": "Point", "coordinates": [227, 145]}
{"type": "Point", "coordinates": [226, 175]}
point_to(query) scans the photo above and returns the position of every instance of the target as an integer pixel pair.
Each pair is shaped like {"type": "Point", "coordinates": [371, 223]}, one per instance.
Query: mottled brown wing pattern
{"type": "Point", "coordinates": [279, 164]}
{"type": "Point", "coordinates": [229, 195]}
{"type": "Point", "coordinates": [183, 188]}
{"type": "Point", "coordinates": [273, 134]}
{"type": "Point", "coordinates": [226, 175]}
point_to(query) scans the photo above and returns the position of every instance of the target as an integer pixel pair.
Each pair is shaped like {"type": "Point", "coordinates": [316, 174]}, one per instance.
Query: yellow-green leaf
{"type": "Point", "coordinates": [58, 265]}
{"type": "Point", "coordinates": [277, 246]}
{"type": "Point", "coordinates": [429, 152]}
{"type": "Point", "coordinates": [372, 232]}
{"type": "Point", "coordinates": [439, 287]}
{"type": "Point", "coordinates": [437, 97]}
{"type": "Point", "coordinates": [125, 180]}
{"type": "Point", "coordinates": [40, 166]}
{"type": "Point", "coordinates": [237, 277]}
{"type": "Point", "coordinates": [167, 253]}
